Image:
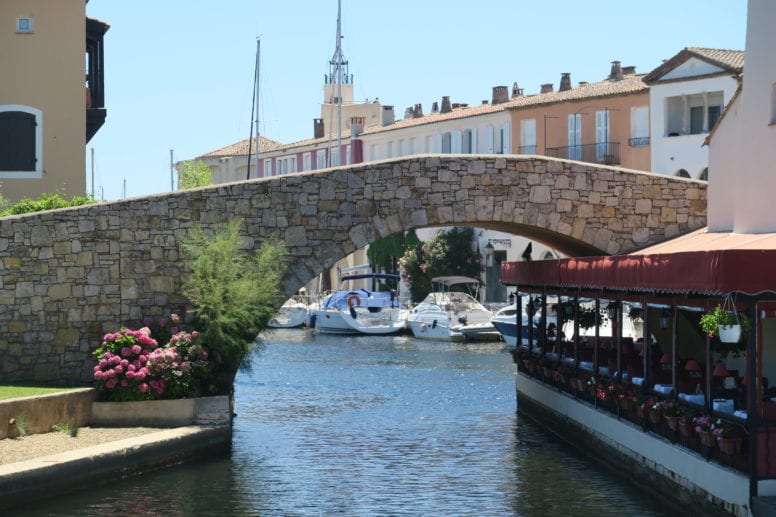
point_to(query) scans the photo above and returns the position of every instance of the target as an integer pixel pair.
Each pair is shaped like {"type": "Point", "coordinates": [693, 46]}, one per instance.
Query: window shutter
{"type": "Point", "coordinates": [475, 147]}
{"type": "Point", "coordinates": [17, 141]}
{"type": "Point", "coordinates": [506, 144]}
{"type": "Point", "coordinates": [491, 137]}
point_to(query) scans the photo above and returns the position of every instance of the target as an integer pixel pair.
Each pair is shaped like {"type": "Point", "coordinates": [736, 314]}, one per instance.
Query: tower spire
{"type": "Point", "coordinates": [338, 73]}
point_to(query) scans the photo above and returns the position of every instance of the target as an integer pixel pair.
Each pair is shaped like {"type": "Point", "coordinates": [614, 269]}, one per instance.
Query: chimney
{"type": "Point", "coordinates": [500, 94]}
{"type": "Point", "coordinates": [388, 116]}
{"type": "Point", "coordinates": [408, 113]}
{"type": "Point", "coordinates": [583, 83]}
{"type": "Point", "coordinates": [628, 70]}
{"type": "Point", "coordinates": [484, 102]}
{"type": "Point", "coordinates": [446, 107]}
{"type": "Point", "coordinates": [435, 107]}
{"type": "Point", "coordinates": [356, 126]}
{"type": "Point", "coordinates": [616, 74]}
{"type": "Point", "coordinates": [565, 82]}
{"type": "Point", "coordinates": [318, 131]}
{"type": "Point", "coordinates": [516, 92]}
{"type": "Point", "coordinates": [457, 105]}
{"type": "Point", "coordinates": [546, 88]}
{"type": "Point", "coordinates": [418, 111]}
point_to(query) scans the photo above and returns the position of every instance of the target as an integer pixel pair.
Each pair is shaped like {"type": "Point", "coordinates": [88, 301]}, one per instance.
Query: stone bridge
{"type": "Point", "coordinates": [68, 276]}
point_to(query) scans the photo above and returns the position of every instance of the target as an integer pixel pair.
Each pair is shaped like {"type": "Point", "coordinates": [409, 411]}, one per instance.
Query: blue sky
{"type": "Point", "coordinates": [179, 73]}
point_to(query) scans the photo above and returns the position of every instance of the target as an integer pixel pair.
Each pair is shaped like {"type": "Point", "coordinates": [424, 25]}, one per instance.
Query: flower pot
{"type": "Point", "coordinates": [686, 428]}
{"type": "Point", "coordinates": [655, 416]}
{"type": "Point", "coordinates": [730, 446]}
{"type": "Point", "coordinates": [707, 438]}
{"type": "Point", "coordinates": [729, 333]}
{"type": "Point", "coordinates": [672, 421]}
{"type": "Point", "coordinates": [627, 404]}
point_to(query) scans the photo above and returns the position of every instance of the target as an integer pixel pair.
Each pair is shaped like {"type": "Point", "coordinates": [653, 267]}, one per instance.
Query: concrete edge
{"type": "Point", "coordinates": [54, 475]}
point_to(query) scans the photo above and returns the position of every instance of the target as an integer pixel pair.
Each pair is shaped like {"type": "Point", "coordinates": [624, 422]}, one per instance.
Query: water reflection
{"type": "Point", "coordinates": [374, 426]}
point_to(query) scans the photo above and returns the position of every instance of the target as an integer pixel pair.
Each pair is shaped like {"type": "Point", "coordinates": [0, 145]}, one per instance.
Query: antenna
{"type": "Point", "coordinates": [337, 63]}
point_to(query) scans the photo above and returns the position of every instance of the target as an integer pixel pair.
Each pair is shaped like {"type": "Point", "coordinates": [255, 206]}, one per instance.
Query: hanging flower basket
{"type": "Point", "coordinates": [729, 333]}
{"type": "Point", "coordinates": [707, 438]}
{"type": "Point", "coordinates": [725, 322]}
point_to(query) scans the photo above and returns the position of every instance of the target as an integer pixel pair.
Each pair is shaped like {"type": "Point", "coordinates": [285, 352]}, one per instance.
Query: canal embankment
{"type": "Point", "coordinates": [37, 462]}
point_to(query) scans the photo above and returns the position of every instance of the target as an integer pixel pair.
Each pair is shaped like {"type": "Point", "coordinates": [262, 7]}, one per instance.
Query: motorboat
{"type": "Point", "coordinates": [361, 311]}
{"type": "Point", "coordinates": [293, 313]}
{"type": "Point", "coordinates": [505, 321]}
{"type": "Point", "coordinates": [451, 315]}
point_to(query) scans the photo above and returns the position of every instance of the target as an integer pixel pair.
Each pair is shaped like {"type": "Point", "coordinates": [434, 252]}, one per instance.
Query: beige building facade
{"type": "Point", "coordinates": [604, 122]}
{"type": "Point", "coordinates": [45, 96]}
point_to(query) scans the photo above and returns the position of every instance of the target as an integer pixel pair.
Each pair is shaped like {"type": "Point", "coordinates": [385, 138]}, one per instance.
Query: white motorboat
{"type": "Point", "coordinates": [293, 313]}
{"type": "Point", "coordinates": [505, 321]}
{"type": "Point", "coordinates": [361, 311]}
{"type": "Point", "coordinates": [452, 315]}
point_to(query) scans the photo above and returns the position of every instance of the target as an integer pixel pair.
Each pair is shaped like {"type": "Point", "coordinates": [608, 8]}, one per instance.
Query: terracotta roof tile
{"type": "Point", "coordinates": [241, 148]}
{"type": "Point", "coordinates": [730, 60]}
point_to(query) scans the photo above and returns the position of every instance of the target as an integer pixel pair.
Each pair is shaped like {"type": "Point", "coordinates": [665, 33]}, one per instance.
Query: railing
{"type": "Point", "coordinates": [641, 141]}
{"type": "Point", "coordinates": [602, 392]}
{"type": "Point", "coordinates": [607, 153]}
{"type": "Point", "coordinates": [526, 149]}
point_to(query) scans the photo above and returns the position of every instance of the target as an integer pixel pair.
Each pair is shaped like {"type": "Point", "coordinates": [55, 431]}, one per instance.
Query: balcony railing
{"type": "Point", "coordinates": [526, 149]}
{"type": "Point", "coordinates": [641, 141]}
{"type": "Point", "coordinates": [607, 153]}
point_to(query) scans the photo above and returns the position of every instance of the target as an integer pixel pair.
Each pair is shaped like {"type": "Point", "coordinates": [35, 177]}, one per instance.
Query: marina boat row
{"type": "Point", "coordinates": [450, 312]}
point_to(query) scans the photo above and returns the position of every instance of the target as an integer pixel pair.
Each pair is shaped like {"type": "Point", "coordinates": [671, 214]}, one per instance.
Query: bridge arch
{"type": "Point", "coordinates": [68, 276]}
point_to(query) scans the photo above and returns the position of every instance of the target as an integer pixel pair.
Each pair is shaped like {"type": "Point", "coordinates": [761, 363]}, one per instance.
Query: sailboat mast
{"type": "Point", "coordinates": [258, 135]}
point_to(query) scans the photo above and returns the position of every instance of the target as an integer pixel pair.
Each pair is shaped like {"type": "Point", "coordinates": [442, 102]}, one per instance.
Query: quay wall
{"type": "Point", "coordinates": [682, 479]}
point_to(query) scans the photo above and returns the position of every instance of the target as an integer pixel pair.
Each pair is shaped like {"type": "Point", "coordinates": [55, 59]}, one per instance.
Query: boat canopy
{"type": "Point", "coordinates": [448, 281]}
{"type": "Point", "coordinates": [383, 276]}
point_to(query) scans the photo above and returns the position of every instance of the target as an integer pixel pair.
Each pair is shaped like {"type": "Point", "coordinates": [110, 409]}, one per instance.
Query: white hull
{"type": "Point", "coordinates": [332, 321]}
{"type": "Point", "coordinates": [289, 317]}
{"type": "Point", "coordinates": [422, 329]}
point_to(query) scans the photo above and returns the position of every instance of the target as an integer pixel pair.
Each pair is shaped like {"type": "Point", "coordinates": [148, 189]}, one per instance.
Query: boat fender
{"type": "Point", "coordinates": [312, 321]}
{"type": "Point", "coordinates": [353, 299]}
{"type": "Point", "coordinates": [422, 327]}
{"type": "Point", "coordinates": [353, 312]}
{"type": "Point", "coordinates": [433, 325]}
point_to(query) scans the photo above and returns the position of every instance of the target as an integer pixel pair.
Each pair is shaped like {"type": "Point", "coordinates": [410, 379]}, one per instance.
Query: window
{"type": "Point", "coordinates": [447, 143]}
{"type": "Point", "coordinates": [411, 146]}
{"type": "Point", "coordinates": [390, 150]}
{"type": "Point", "coordinates": [268, 167]}
{"type": "Point", "coordinates": [693, 114]}
{"type": "Point", "coordinates": [466, 147]}
{"type": "Point", "coordinates": [335, 156]}
{"type": "Point", "coordinates": [575, 136]}
{"type": "Point", "coordinates": [601, 135]}
{"type": "Point", "coordinates": [704, 175]}
{"type": "Point", "coordinates": [528, 136]}
{"type": "Point", "coordinates": [348, 154]}
{"type": "Point", "coordinates": [307, 162]}
{"type": "Point", "coordinates": [320, 159]}
{"type": "Point", "coordinates": [681, 173]}
{"type": "Point", "coordinates": [24, 25]}
{"type": "Point", "coordinates": [401, 147]}
{"type": "Point", "coordinates": [639, 126]}
{"type": "Point", "coordinates": [21, 142]}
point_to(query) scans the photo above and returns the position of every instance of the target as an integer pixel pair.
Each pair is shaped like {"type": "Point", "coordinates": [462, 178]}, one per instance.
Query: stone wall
{"type": "Point", "coordinates": [69, 276]}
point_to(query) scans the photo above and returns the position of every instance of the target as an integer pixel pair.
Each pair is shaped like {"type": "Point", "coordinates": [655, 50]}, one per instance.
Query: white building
{"type": "Point", "coordinates": [687, 96]}
{"type": "Point", "coordinates": [743, 145]}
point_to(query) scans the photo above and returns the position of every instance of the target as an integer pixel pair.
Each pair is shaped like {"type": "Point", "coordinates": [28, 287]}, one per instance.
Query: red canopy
{"type": "Point", "coordinates": [708, 272]}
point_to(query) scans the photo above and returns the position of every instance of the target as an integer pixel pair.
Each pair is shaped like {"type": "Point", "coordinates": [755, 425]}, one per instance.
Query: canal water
{"type": "Point", "coordinates": [331, 425]}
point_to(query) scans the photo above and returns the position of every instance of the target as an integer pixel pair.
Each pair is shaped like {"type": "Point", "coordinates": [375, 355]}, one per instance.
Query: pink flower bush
{"type": "Point", "coordinates": [132, 366]}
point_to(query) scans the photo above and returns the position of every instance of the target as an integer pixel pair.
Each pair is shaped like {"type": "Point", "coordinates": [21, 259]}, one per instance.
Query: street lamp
{"type": "Point", "coordinates": [489, 254]}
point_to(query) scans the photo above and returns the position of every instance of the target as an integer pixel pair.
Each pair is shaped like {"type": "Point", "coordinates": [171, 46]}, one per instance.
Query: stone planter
{"type": "Point", "coordinates": [686, 428]}
{"type": "Point", "coordinates": [163, 413]}
{"type": "Point", "coordinates": [672, 421]}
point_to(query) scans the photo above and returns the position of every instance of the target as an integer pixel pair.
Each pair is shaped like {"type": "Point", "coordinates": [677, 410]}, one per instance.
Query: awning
{"type": "Point", "coordinates": [700, 263]}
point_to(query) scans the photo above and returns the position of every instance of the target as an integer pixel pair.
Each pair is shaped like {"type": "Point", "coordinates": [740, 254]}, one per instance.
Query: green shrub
{"type": "Point", "coordinates": [234, 294]}
{"type": "Point", "coordinates": [45, 202]}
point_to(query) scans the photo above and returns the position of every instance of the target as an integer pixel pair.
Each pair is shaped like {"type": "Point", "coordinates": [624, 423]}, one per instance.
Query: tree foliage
{"type": "Point", "coordinates": [447, 253]}
{"type": "Point", "coordinates": [194, 174]}
{"type": "Point", "coordinates": [234, 294]}
{"type": "Point", "coordinates": [382, 253]}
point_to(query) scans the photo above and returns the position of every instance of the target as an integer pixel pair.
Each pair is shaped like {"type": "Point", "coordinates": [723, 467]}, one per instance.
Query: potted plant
{"type": "Point", "coordinates": [704, 426]}
{"type": "Point", "coordinates": [671, 414]}
{"type": "Point", "coordinates": [725, 324]}
{"type": "Point", "coordinates": [728, 437]}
